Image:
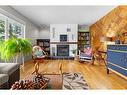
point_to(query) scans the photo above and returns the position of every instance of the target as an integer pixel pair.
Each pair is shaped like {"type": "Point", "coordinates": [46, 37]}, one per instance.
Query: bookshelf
{"type": "Point", "coordinates": [83, 39]}
{"type": "Point", "coordinates": [45, 44]}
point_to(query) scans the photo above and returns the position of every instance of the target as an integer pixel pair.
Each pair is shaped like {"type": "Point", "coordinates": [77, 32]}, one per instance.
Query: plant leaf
{"type": "Point", "coordinates": [13, 47]}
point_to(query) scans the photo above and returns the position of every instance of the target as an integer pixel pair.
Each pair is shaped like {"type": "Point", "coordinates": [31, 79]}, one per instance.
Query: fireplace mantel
{"type": "Point", "coordinates": [63, 42]}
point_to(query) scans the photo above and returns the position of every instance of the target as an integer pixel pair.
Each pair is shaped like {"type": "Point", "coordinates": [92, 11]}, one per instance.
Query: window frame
{"type": "Point", "coordinates": [14, 22]}
{"type": "Point", "coordinates": [4, 18]}
{"type": "Point", "coordinates": [8, 20]}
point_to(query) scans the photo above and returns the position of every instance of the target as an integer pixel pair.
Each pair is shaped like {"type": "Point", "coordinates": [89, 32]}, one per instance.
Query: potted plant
{"type": "Point", "coordinates": [74, 51]}
{"type": "Point", "coordinates": [13, 47]}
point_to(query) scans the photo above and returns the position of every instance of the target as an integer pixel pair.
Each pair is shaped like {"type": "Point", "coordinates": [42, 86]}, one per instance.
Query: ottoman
{"type": "Point", "coordinates": [4, 81]}
{"type": "Point", "coordinates": [12, 70]}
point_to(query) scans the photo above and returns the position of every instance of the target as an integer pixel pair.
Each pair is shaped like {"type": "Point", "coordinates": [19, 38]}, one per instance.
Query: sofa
{"type": "Point", "coordinates": [3, 81]}
{"type": "Point", "coordinates": [9, 73]}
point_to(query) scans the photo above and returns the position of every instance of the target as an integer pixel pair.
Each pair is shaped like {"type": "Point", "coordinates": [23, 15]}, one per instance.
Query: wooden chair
{"type": "Point", "coordinates": [100, 56]}
{"type": "Point", "coordinates": [60, 68]}
{"type": "Point", "coordinates": [38, 56]}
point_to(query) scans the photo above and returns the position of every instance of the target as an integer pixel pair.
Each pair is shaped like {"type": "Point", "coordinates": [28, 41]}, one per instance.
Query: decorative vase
{"type": "Point", "coordinates": [117, 41]}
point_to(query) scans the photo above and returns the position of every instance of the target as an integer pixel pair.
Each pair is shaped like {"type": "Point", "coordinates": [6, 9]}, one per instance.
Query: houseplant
{"type": "Point", "coordinates": [13, 47]}
{"type": "Point", "coordinates": [74, 51]}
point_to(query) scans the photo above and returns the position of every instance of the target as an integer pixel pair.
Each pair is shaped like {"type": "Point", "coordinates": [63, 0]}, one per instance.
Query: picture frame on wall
{"type": "Point", "coordinates": [68, 29]}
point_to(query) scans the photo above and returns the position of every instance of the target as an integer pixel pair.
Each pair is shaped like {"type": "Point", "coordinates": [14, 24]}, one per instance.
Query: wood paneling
{"type": "Point", "coordinates": [114, 23]}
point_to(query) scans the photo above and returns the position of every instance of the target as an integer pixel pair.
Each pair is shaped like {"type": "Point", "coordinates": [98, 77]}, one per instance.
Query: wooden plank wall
{"type": "Point", "coordinates": [112, 24]}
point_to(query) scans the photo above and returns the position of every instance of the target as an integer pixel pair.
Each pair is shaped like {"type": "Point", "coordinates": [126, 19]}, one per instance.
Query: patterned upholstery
{"type": "Point", "coordinates": [88, 51]}
{"type": "Point", "coordinates": [86, 55]}
{"type": "Point", "coordinates": [38, 53]}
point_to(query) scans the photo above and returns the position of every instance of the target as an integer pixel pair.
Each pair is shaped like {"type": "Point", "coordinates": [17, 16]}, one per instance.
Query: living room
{"type": "Point", "coordinates": [84, 47]}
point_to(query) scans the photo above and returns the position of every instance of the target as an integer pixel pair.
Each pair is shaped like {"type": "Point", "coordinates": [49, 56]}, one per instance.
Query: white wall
{"type": "Point", "coordinates": [62, 29]}
{"type": "Point", "coordinates": [44, 34]}
{"type": "Point", "coordinates": [31, 32]}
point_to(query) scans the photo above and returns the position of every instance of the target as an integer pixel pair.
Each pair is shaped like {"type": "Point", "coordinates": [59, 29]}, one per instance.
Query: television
{"type": "Point", "coordinates": [63, 38]}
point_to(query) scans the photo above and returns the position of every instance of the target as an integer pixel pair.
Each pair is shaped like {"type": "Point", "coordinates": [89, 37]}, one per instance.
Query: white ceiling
{"type": "Point", "coordinates": [63, 14]}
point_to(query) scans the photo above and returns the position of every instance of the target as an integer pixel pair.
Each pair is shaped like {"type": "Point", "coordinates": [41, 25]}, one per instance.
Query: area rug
{"type": "Point", "coordinates": [72, 81]}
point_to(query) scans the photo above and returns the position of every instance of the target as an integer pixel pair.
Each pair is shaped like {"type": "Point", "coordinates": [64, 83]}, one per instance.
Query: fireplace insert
{"type": "Point", "coordinates": [62, 50]}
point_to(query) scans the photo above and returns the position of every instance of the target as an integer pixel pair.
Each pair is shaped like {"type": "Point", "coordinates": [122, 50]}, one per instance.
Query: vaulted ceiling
{"type": "Point", "coordinates": [63, 14]}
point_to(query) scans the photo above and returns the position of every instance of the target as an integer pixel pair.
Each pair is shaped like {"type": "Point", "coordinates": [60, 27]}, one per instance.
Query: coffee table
{"type": "Point", "coordinates": [55, 80]}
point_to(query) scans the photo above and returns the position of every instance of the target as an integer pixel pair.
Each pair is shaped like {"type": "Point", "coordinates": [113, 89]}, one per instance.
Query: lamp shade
{"type": "Point", "coordinates": [104, 39]}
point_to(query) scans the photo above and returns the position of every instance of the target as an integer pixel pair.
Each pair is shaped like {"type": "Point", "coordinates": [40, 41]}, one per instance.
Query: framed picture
{"type": "Point", "coordinates": [68, 29]}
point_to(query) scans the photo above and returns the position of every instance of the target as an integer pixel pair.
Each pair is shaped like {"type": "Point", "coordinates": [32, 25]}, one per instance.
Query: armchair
{"type": "Point", "coordinates": [86, 55]}
{"type": "Point", "coordinates": [38, 56]}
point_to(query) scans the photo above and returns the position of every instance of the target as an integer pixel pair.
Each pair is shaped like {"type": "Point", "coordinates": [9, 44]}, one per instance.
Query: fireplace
{"type": "Point", "coordinates": [62, 50]}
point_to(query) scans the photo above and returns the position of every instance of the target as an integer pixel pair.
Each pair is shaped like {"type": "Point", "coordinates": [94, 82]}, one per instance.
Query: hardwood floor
{"type": "Point", "coordinates": [95, 75]}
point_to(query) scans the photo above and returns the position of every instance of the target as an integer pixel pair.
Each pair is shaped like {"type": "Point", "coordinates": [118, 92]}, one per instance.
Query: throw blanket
{"type": "Point", "coordinates": [88, 51]}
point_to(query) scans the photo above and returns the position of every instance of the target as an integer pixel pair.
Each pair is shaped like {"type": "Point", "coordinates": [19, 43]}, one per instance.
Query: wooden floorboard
{"type": "Point", "coordinates": [95, 75]}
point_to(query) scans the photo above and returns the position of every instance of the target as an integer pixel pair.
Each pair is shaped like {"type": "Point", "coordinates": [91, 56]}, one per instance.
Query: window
{"type": "Point", "coordinates": [16, 29]}
{"type": "Point", "coordinates": [13, 27]}
{"type": "Point", "coordinates": [2, 28]}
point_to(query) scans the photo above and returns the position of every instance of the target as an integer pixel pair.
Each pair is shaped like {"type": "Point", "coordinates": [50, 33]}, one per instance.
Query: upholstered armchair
{"type": "Point", "coordinates": [86, 55]}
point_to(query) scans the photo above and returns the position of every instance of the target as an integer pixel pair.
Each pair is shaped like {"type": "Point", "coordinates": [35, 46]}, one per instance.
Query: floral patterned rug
{"type": "Point", "coordinates": [72, 81]}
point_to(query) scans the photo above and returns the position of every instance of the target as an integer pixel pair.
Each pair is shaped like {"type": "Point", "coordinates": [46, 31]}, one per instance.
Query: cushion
{"type": "Point", "coordinates": [88, 51]}
{"type": "Point", "coordinates": [39, 54]}
{"type": "Point", "coordinates": [3, 78]}
{"type": "Point", "coordinates": [84, 55]}
{"type": "Point", "coordinates": [8, 68]}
